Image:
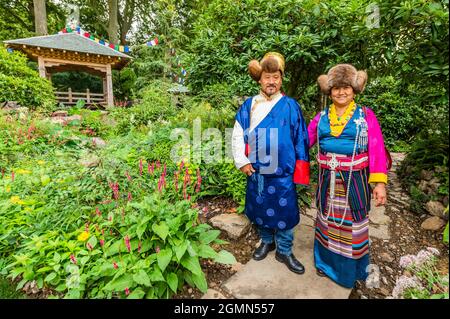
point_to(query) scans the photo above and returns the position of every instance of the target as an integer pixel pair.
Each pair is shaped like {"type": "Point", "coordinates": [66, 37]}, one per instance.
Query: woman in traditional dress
{"type": "Point", "coordinates": [351, 157]}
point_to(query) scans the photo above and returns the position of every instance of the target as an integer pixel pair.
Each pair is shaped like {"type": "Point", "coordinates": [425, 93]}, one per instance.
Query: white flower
{"type": "Point", "coordinates": [403, 283]}
{"type": "Point", "coordinates": [407, 261]}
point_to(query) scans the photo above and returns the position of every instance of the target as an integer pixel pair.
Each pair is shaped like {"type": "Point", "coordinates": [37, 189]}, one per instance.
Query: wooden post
{"type": "Point", "coordinates": [70, 95]}
{"type": "Point", "coordinates": [109, 86]}
{"type": "Point", "coordinates": [104, 88]}
{"type": "Point", "coordinates": [88, 97]}
{"type": "Point", "coordinates": [41, 67]}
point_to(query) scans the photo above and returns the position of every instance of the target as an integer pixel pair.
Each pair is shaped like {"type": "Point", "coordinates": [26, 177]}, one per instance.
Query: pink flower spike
{"type": "Point", "coordinates": [140, 167]}
{"type": "Point", "coordinates": [128, 176]}
{"type": "Point", "coordinates": [127, 243]}
{"type": "Point", "coordinates": [127, 291]}
{"type": "Point", "coordinates": [97, 211]}
{"type": "Point", "coordinates": [86, 227]}
{"type": "Point", "coordinates": [181, 165]}
{"type": "Point", "coordinates": [89, 246]}
{"type": "Point", "coordinates": [102, 242]}
{"type": "Point", "coordinates": [73, 259]}
{"type": "Point", "coordinates": [115, 265]}
{"type": "Point", "coordinates": [157, 249]}
{"type": "Point", "coordinates": [129, 197]}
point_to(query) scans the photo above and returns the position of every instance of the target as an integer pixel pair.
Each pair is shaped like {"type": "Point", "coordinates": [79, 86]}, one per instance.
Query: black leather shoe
{"type": "Point", "coordinates": [261, 252]}
{"type": "Point", "coordinates": [291, 262]}
{"type": "Point", "coordinates": [320, 273]}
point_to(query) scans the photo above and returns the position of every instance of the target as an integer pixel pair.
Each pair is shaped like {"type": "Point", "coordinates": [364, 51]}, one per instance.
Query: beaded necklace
{"type": "Point", "coordinates": [337, 123]}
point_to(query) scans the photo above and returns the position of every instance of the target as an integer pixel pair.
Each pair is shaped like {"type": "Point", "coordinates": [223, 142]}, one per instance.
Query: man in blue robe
{"type": "Point", "coordinates": [270, 145]}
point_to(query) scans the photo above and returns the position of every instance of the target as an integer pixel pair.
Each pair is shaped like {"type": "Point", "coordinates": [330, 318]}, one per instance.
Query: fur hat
{"type": "Point", "coordinates": [271, 62]}
{"type": "Point", "coordinates": [342, 75]}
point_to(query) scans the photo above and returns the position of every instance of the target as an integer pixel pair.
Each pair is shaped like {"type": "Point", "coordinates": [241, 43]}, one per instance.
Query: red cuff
{"type": "Point", "coordinates": [301, 172]}
{"type": "Point", "coordinates": [247, 149]}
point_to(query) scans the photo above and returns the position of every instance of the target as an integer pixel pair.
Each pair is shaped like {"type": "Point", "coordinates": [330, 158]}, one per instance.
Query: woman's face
{"type": "Point", "coordinates": [342, 96]}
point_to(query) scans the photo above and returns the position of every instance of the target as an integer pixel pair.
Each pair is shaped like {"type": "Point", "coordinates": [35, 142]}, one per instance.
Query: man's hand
{"type": "Point", "coordinates": [379, 194]}
{"type": "Point", "coordinates": [247, 169]}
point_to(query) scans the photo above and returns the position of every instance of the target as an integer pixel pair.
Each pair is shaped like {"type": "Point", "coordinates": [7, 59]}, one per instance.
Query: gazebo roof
{"type": "Point", "coordinates": [69, 42]}
{"type": "Point", "coordinates": [70, 46]}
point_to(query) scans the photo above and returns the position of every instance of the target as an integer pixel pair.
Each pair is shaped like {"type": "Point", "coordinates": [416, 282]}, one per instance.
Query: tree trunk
{"type": "Point", "coordinates": [40, 14]}
{"type": "Point", "coordinates": [113, 28]}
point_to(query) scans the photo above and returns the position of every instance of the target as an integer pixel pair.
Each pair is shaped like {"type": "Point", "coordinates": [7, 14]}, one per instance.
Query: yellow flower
{"type": "Point", "coordinates": [83, 236]}
{"type": "Point", "coordinates": [23, 171]}
{"type": "Point", "coordinates": [8, 189]}
{"type": "Point", "coordinates": [41, 162]}
{"type": "Point", "coordinates": [16, 200]}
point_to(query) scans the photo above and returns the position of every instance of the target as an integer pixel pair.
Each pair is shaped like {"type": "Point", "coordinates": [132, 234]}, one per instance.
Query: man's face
{"type": "Point", "coordinates": [342, 96]}
{"type": "Point", "coordinates": [270, 82]}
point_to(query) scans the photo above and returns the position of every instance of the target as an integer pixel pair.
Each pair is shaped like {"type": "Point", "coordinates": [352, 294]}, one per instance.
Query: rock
{"type": "Point", "coordinates": [384, 280]}
{"type": "Point", "coordinates": [387, 257]}
{"type": "Point", "coordinates": [433, 223]}
{"type": "Point", "coordinates": [426, 175]}
{"type": "Point", "coordinates": [90, 161]}
{"type": "Point", "coordinates": [384, 292]}
{"type": "Point", "coordinates": [389, 270]}
{"type": "Point", "coordinates": [395, 209]}
{"type": "Point", "coordinates": [237, 266]}
{"type": "Point", "coordinates": [433, 185]}
{"type": "Point", "coordinates": [190, 290]}
{"type": "Point", "coordinates": [445, 200]}
{"type": "Point", "coordinates": [377, 215]}
{"type": "Point", "coordinates": [364, 297]}
{"type": "Point", "coordinates": [423, 185]}
{"type": "Point", "coordinates": [75, 117]}
{"type": "Point", "coordinates": [98, 142]}
{"type": "Point", "coordinates": [213, 294]}
{"type": "Point", "coordinates": [60, 113]}
{"type": "Point", "coordinates": [235, 225]}
{"type": "Point", "coordinates": [435, 208]}
{"type": "Point", "coordinates": [58, 120]}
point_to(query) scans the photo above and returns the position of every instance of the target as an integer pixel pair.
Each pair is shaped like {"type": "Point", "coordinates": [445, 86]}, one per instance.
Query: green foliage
{"type": "Point", "coordinates": [428, 152]}
{"type": "Point", "coordinates": [403, 111]}
{"type": "Point", "coordinates": [20, 83]}
{"type": "Point", "coordinates": [156, 105]}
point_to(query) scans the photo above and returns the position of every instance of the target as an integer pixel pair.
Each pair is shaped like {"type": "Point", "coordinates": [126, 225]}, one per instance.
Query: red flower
{"type": "Point", "coordinates": [127, 291]}
{"type": "Point", "coordinates": [157, 249]}
{"type": "Point", "coordinates": [89, 246]}
{"type": "Point", "coordinates": [199, 181]}
{"type": "Point", "coordinates": [102, 242]}
{"type": "Point", "coordinates": [129, 197]}
{"type": "Point", "coordinates": [73, 259]}
{"type": "Point", "coordinates": [115, 265]}
{"type": "Point", "coordinates": [97, 211]}
{"type": "Point", "coordinates": [139, 247]}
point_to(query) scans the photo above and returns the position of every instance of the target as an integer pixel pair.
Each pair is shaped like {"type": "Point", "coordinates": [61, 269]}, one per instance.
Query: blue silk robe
{"type": "Point", "coordinates": [278, 149]}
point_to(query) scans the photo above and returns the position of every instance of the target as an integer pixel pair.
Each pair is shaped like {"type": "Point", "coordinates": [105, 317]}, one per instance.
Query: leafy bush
{"type": "Point", "coordinates": [20, 83]}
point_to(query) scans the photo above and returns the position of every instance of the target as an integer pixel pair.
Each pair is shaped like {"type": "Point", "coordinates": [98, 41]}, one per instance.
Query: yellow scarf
{"type": "Point", "coordinates": [337, 123]}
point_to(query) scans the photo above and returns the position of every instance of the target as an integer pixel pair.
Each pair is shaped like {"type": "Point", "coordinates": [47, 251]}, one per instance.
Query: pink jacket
{"type": "Point", "coordinates": [376, 149]}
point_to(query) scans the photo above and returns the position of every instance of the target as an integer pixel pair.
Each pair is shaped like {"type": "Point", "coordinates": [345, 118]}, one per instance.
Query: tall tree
{"type": "Point", "coordinates": [40, 20]}
{"type": "Point", "coordinates": [113, 27]}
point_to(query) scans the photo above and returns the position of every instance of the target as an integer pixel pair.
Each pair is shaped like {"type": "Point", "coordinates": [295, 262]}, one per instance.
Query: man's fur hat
{"type": "Point", "coordinates": [271, 62]}
{"type": "Point", "coordinates": [342, 75]}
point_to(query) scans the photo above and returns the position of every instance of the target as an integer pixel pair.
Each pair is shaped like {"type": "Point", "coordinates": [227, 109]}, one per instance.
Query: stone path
{"type": "Point", "coordinates": [271, 279]}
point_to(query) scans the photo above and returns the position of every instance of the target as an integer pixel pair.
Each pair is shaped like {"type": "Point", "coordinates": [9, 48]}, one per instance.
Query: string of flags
{"type": "Point", "coordinates": [179, 78]}
{"type": "Point", "coordinates": [117, 47]}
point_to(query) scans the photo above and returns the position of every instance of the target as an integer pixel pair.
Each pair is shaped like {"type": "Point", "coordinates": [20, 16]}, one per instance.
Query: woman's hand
{"type": "Point", "coordinates": [247, 169]}
{"type": "Point", "coordinates": [379, 194]}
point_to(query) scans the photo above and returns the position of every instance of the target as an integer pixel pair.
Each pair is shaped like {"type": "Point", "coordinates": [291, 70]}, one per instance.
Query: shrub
{"type": "Point", "coordinates": [20, 83]}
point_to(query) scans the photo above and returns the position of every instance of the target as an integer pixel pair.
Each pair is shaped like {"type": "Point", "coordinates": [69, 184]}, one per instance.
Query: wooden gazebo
{"type": "Point", "coordinates": [72, 52]}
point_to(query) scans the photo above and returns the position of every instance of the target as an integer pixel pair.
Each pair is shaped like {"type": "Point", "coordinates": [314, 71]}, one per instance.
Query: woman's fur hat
{"type": "Point", "coordinates": [342, 75]}
{"type": "Point", "coordinates": [271, 62]}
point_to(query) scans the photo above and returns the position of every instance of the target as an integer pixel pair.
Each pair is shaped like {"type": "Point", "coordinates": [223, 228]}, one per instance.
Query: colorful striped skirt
{"type": "Point", "coordinates": [342, 251]}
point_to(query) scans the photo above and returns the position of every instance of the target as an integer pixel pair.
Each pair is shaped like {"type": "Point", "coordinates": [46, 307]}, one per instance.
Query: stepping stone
{"type": "Point", "coordinates": [235, 225]}
{"type": "Point", "coordinates": [377, 215]}
{"type": "Point", "coordinates": [268, 278]}
{"type": "Point", "coordinates": [380, 232]}
{"type": "Point", "coordinates": [213, 294]}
